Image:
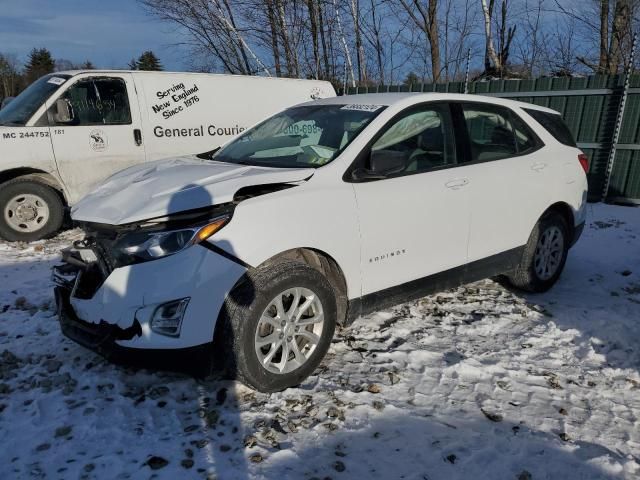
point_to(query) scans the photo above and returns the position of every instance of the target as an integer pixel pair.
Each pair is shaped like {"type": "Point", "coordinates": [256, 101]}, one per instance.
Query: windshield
{"type": "Point", "coordinates": [22, 108]}
{"type": "Point", "coordinates": [309, 136]}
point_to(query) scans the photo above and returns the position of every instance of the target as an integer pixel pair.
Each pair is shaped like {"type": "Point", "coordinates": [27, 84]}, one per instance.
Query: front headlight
{"type": "Point", "coordinates": [141, 246]}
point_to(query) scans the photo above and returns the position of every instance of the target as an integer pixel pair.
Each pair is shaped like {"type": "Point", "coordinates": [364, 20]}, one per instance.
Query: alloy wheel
{"type": "Point", "coordinates": [549, 252]}
{"type": "Point", "coordinates": [289, 330]}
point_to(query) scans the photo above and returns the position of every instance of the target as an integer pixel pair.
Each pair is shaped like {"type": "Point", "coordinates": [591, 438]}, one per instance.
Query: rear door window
{"type": "Point", "coordinates": [496, 133]}
{"type": "Point", "coordinates": [553, 123]}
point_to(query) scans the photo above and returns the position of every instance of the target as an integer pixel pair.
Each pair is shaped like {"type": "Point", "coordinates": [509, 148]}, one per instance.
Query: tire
{"type": "Point", "coordinates": [530, 274]}
{"type": "Point", "coordinates": [42, 207]}
{"type": "Point", "coordinates": [241, 323]}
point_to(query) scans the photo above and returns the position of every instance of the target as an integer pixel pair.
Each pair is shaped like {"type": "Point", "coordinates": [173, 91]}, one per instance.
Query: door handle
{"type": "Point", "coordinates": [538, 166]}
{"type": "Point", "coordinates": [457, 183]}
{"type": "Point", "coordinates": [137, 136]}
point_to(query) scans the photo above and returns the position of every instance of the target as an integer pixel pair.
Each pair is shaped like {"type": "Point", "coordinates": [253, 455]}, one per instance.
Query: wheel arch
{"type": "Point", "coordinates": [36, 175]}
{"type": "Point", "coordinates": [318, 259]}
{"type": "Point", "coordinates": [566, 212]}
{"type": "Point", "coordinates": [325, 264]}
{"type": "Point", "coordinates": [315, 258]}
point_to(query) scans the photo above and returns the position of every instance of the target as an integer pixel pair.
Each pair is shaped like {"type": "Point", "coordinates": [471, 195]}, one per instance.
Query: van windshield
{"type": "Point", "coordinates": [22, 108]}
{"type": "Point", "coordinates": [308, 136]}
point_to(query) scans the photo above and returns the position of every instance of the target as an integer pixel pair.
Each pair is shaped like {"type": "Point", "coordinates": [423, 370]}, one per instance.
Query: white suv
{"type": "Point", "coordinates": [324, 212]}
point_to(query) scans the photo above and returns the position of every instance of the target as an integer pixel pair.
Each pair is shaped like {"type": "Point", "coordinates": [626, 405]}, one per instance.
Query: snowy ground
{"type": "Point", "coordinates": [478, 382]}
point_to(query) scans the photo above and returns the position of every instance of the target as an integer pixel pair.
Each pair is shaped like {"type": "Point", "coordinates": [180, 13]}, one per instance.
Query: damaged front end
{"type": "Point", "coordinates": [80, 276]}
{"type": "Point", "coordinates": [131, 286]}
{"type": "Point", "coordinates": [149, 274]}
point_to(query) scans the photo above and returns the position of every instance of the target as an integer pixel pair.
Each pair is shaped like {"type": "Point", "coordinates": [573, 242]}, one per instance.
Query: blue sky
{"type": "Point", "coordinates": [107, 32]}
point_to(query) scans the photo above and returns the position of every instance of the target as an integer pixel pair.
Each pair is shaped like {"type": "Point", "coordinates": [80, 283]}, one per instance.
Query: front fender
{"type": "Point", "coordinates": [321, 217]}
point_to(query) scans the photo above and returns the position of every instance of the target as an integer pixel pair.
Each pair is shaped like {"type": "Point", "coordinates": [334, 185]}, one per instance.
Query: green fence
{"type": "Point", "coordinates": [590, 108]}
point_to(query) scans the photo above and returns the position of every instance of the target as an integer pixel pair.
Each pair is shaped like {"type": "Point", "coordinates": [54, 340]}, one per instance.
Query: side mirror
{"type": "Point", "coordinates": [6, 102]}
{"type": "Point", "coordinates": [382, 163]}
{"type": "Point", "coordinates": [64, 111]}
{"type": "Point", "coordinates": [387, 162]}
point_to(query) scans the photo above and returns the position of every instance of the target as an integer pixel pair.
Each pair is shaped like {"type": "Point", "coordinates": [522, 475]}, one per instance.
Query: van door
{"type": "Point", "coordinates": [95, 131]}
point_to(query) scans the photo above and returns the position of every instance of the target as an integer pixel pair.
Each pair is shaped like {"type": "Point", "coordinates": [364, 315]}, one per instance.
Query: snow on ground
{"type": "Point", "coordinates": [477, 382]}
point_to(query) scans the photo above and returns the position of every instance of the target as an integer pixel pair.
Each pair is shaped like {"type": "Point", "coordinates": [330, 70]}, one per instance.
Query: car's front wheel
{"type": "Point", "coordinates": [277, 326]}
{"type": "Point", "coordinates": [544, 255]}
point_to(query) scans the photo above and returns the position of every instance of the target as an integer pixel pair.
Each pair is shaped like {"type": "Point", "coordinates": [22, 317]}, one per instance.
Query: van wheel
{"type": "Point", "coordinates": [29, 211]}
{"type": "Point", "coordinates": [277, 325]}
{"type": "Point", "coordinates": [544, 255]}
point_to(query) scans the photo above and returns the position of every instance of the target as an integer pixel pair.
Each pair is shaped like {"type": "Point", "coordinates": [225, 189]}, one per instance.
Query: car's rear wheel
{"type": "Point", "coordinates": [544, 255]}
{"type": "Point", "coordinates": [29, 211]}
{"type": "Point", "coordinates": [277, 326]}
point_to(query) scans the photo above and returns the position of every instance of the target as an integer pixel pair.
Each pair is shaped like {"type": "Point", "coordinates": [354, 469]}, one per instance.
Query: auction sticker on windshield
{"type": "Point", "coordinates": [362, 108]}
{"type": "Point", "coordinates": [56, 80]}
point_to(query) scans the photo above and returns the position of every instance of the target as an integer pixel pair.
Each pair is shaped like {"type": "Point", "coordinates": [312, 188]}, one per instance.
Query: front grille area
{"type": "Point", "coordinates": [88, 283]}
{"type": "Point", "coordinates": [102, 250]}
{"type": "Point", "coordinates": [90, 275]}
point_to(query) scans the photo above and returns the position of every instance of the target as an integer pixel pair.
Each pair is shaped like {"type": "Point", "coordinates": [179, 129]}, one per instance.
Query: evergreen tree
{"type": "Point", "coordinates": [87, 65]}
{"type": "Point", "coordinates": [148, 61]}
{"type": "Point", "coordinates": [64, 64]}
{"type": "Point", "coordinates": [40, 63]}
{"type": "Point", "coordinates": [133, 64]}
{"type": "Point", "coordinates": [412, 79]}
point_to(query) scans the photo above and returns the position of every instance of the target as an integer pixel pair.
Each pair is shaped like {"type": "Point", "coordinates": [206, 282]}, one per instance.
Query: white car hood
{"type": "Point", "coordinates": [160, 188]}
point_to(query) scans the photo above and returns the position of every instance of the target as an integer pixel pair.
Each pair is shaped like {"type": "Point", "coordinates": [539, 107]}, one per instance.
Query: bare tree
{"type": "Point", "coordinates": [374, 38]}
{"type": "Point", "coordinates": [287, 42]}
{"type": "Point", "coordinates": [495, 61]}
{"type": "Point", "coordinates": [458, 24]}
{"type": "Point", "coordinates": [425, 17]}
{"type": "Point", "coordinates": [606, 25]}
{"type": "Point", "coordinates": [273, 35]}
{"type": "Point", "coordinates": [560, 49]}
{"type": "Point", "coordinates": [343, 40]}
{"type": "Point", "coordinates": [621, 34]}
{"type": "Point", "coordinates": [532, 42]}
{"type": "Point", "coordinates": [211, 26]}
{"type": "Point", "coordinates": [313, 26]}
{"type": "Point", "coordinates": [327, 45]}
{"type": "Point", "coordinates": [360, 55]}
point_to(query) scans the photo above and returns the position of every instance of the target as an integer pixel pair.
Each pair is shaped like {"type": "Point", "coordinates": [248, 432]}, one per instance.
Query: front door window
{"type": "Point", "coordinates": [423, 136]}
{"type": "Point", "coordinates": [100, 101]}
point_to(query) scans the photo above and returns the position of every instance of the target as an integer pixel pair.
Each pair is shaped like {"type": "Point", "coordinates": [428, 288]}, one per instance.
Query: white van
{"type": "Point", "coordinates": [70, 130]}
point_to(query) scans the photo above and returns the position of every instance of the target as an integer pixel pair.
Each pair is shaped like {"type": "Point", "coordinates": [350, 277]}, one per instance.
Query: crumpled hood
{"type": "Point", "coordinates": [174, 185]}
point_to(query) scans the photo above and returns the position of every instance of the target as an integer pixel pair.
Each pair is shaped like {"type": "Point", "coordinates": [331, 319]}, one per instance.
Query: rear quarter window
{"type": "Point", "coordinates": [553, 124]}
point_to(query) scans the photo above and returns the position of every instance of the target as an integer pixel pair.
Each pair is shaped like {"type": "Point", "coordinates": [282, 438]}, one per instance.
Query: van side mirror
{"type": "Point", "coordinates": [382, 164]}
{"type": "Point", "coordinates": [64, 111]}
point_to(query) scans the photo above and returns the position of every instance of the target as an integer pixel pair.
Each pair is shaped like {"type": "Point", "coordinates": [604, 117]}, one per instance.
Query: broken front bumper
{"type": "Point", "coordinates": [98, 337]}
{"type": "Point", "coordinates": [102, 339]}
{"type": "Point", "coordinates": [112, 310]}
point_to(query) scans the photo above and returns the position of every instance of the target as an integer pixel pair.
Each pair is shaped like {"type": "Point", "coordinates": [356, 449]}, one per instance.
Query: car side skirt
{"type": "Point", "coordinates": [497, 264]}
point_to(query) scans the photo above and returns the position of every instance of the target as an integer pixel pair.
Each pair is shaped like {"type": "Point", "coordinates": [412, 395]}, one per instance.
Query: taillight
{"type": "Point", "coordinates": [584, 161]}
